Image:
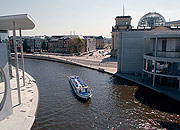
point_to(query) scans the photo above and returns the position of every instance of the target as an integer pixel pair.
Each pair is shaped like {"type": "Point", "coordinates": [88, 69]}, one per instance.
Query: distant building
{"type": "Point", "coordinates": [91, 44]}
{"type": "Point", "coordinates": [152, 19]}
{"type": "Point", "coordinates": [108, 42]}
{"type": "Point", "coordinates": [30, 43]}
{"type": "Point", "coordinates": [61, 44]}
{"type": "Point", "coordinates": [123, 23]}
{"type": "Point", "coordinates": [94, 42]}
{"type": "Point", "coordinates": [100, 42]}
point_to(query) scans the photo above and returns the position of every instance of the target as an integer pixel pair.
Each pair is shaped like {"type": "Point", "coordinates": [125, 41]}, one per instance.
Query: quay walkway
{"type": "Point", "coordinates": [23, 115]}
{"type": "Point", "coordinates": [108, 65]}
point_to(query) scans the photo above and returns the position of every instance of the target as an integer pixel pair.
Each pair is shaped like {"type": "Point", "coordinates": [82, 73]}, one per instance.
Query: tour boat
{"type": "Point", "coordinates": [80, 88]}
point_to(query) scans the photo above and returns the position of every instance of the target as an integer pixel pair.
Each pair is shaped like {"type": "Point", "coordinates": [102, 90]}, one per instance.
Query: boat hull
{"type": "Point", "coordinates": [81, 96]}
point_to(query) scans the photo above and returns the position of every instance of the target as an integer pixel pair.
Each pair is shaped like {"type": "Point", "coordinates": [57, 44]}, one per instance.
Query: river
{"type": "Point", "coordinates": [116, 103]}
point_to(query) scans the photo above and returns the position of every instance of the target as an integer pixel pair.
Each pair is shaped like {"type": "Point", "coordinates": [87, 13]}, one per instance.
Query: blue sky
{"type": "Point", "coordinates": [85, 17]}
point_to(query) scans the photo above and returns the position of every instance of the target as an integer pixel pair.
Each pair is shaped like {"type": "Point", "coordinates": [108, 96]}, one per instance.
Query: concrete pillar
{"type": "Point", "coordinates": [22, 56]}
{"type": "Point", "coordinates": [121, 41]}
{"type": "Point", "coordinates": [154, 75]}
{"type": "Point", "coordinates": [16, 62]}
{"type": "Point", "coordinates": [120, 55]}
{"type": "Point", "coordinates": [179, 84]}
{"type": "Point", "coordinates": [155, 55]}
{"type": "Point", "coordinates": [142, 78]}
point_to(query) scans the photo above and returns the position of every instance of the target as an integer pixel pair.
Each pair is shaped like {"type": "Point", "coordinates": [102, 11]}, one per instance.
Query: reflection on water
{"type": "Point", "coordinates": [115, 104]}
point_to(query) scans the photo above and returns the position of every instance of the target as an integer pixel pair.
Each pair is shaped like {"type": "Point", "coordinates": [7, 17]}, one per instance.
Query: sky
{"type": "Point", "coordinates": [85, 17]}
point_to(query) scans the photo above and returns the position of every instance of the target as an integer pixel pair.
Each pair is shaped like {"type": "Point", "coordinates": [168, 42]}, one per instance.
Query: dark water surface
{"type": "Point", "coordinates": [115, 104]}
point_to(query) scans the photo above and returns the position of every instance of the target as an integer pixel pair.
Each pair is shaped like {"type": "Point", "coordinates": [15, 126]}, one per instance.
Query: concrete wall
{"type": "Point", "coordinates": [6, 103]}
{"type": "Point", "coordinates": [133, 44]}
{"type": "Point", "coordinates": [131, 47]}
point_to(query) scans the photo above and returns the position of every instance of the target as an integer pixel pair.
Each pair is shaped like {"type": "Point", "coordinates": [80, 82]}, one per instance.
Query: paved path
{"type": "Point", "coordinates": [23, 115]}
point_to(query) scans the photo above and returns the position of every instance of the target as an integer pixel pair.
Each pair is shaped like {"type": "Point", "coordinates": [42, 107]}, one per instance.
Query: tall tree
{"type": "Point", "coordinates": [78, 45]}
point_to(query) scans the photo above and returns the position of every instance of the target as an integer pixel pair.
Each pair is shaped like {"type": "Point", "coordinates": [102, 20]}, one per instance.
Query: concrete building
{"type": "Point", "coordinates": [153, 52]}
{"type": "Point", "coordinates": [161, 62]}
{"type": "Point", "coordinates": [94, 42]}
{"type": "Point", "coordinates": [62, 44]}
{"type": "Point", "coordinates": [91, 44]}
{"type": "Point", "coordinates": [100, 42]}
{"type": "Point", "coordinates": [12, 22]}
{"type": "Point", "coordinates": [59, 45]}
{"type": "Point", "coordinates": [30, 43]}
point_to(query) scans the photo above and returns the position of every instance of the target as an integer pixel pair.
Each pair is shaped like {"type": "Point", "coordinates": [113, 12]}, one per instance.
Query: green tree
{"type": "Point", "coordinates": [78, 45]}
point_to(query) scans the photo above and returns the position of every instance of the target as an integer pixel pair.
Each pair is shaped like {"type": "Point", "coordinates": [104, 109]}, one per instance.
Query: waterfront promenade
{"type": "Point", "coordinates": [23, 115]}
{"type": "Point", "coordinates": [105, 63]}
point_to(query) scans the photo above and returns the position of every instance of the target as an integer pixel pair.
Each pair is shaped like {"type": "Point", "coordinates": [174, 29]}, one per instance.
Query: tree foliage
{"type": "Point", "coordinates": [77, 46]}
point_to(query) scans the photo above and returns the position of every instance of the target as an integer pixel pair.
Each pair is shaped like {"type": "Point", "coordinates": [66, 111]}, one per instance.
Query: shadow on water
{"type": "Point", "coordinates": [157, 101]}
{"type": "Point", "coordinates": [79, 99]}
{"type": "Point", "coordinates": [169, 125]}
{"type": "Point", "coordinates": [120, 81]}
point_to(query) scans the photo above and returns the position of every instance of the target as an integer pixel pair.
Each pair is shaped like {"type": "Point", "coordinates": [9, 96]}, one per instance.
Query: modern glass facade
{"type": "Point", "coordinates": [162, 62]}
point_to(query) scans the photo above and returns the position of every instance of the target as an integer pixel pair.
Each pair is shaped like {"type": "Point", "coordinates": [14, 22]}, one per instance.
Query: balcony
{"type": "Point", "coordinates": [149, 56]}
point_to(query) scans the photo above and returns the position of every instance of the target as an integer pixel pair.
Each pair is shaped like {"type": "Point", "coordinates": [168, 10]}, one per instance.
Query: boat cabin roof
{"type": "Point", "coordinates": [78, 83]}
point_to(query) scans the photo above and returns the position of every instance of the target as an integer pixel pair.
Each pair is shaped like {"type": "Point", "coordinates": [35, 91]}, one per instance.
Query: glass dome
{"type": "Point", "coordinates": [152, 19]}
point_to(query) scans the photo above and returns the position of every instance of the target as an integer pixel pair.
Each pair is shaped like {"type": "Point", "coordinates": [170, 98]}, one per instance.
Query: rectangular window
{"type": "Point", "coordinates": [164, 42]}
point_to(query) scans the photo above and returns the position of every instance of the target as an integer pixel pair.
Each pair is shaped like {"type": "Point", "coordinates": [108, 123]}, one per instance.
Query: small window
{"type": "Point", "coordinates": [164, 42]}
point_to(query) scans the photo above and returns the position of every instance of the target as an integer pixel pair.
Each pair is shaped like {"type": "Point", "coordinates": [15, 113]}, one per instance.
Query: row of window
{"type": "Point", "coordinates": [122, 23]}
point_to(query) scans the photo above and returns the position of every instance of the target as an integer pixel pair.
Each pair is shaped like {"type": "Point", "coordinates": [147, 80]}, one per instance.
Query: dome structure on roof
{"type": "Point", "coordinates": [152, 19]}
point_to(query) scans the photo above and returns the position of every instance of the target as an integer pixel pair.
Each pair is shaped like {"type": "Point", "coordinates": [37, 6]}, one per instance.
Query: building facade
{"type": "Point", "coordinates": [59, 45]}
{"type": "Point", "coordinates": [100, 42]}
{"type": "Point", "coordinates": [123, 23]}
{"type": "Point", "coordinates": [91, 44]}
{"type": "Point", "coordinates": [10, 22]}
{"type": "Point", "coordinates": [161, 62]}
{"type": "Point", "coordinates": [153, 53]}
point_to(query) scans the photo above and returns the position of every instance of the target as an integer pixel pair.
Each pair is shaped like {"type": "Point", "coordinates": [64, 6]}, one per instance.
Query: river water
{"type": "Point", "coordinates": [116, 103]}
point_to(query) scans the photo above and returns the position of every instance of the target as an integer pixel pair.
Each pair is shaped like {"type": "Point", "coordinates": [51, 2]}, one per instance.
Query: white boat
{"type": "Point", "coordinates": [80, 88]}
